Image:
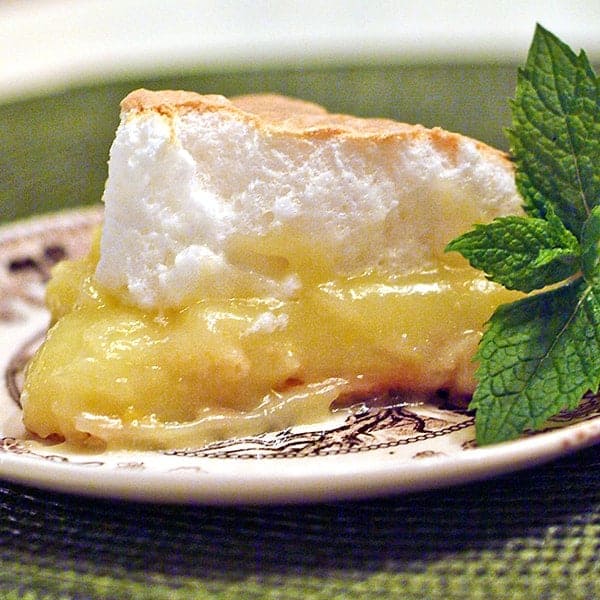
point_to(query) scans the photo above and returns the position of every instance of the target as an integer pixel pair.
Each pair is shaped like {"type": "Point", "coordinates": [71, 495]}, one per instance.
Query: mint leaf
{"type": "Point", "coordinates": [555, 137]}
{"type": "Point", "coordinates": [521, 253]}
{"type": "Point", "coordinates": [590, 246]}
{"type": "Point", "coordinates": [538, 356]}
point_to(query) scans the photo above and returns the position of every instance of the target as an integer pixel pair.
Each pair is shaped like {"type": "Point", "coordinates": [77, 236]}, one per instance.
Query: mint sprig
{"type": "Point", "coordinates": [541, 354]}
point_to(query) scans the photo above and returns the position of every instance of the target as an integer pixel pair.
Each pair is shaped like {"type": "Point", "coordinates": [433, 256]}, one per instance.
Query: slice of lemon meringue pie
{"type": "Point", "coordinates": [260, 259]}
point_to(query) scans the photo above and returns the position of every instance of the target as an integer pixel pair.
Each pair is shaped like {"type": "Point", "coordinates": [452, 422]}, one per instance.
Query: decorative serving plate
{"type": "Point", "coordinates": [367, 451]}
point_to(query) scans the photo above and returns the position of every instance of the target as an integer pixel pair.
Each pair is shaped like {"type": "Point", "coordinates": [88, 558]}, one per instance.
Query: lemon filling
{"type": "Point", "coordinates": [228, 366]}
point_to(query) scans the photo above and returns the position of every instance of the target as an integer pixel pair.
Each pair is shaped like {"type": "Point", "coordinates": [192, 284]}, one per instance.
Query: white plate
{"type": "Point", "coordinates": [365, 453]}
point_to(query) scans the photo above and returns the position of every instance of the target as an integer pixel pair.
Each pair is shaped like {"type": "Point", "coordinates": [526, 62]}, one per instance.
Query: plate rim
{"type": "Point", "coordinates": [293, 486]}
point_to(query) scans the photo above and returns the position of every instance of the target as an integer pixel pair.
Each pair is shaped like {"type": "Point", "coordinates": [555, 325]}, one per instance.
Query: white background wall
{"type": "Point", "coordinates": [49, 44]}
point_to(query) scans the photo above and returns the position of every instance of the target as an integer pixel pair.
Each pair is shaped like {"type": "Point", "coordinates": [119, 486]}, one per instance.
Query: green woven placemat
{"type": "Point", "coordinates": [535, 534]}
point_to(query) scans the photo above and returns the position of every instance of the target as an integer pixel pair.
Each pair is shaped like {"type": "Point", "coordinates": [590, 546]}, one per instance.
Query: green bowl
{"type": "Point", "coordinates": [53, 149]}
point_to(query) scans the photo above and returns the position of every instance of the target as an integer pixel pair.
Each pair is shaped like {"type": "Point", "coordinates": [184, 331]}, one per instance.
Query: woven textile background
{"type": "Point", "coordinates": [535, 534]}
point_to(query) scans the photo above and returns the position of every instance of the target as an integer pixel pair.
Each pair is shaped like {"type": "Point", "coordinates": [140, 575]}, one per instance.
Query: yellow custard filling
{"type": "Point", "coordinates": [223, 367]}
